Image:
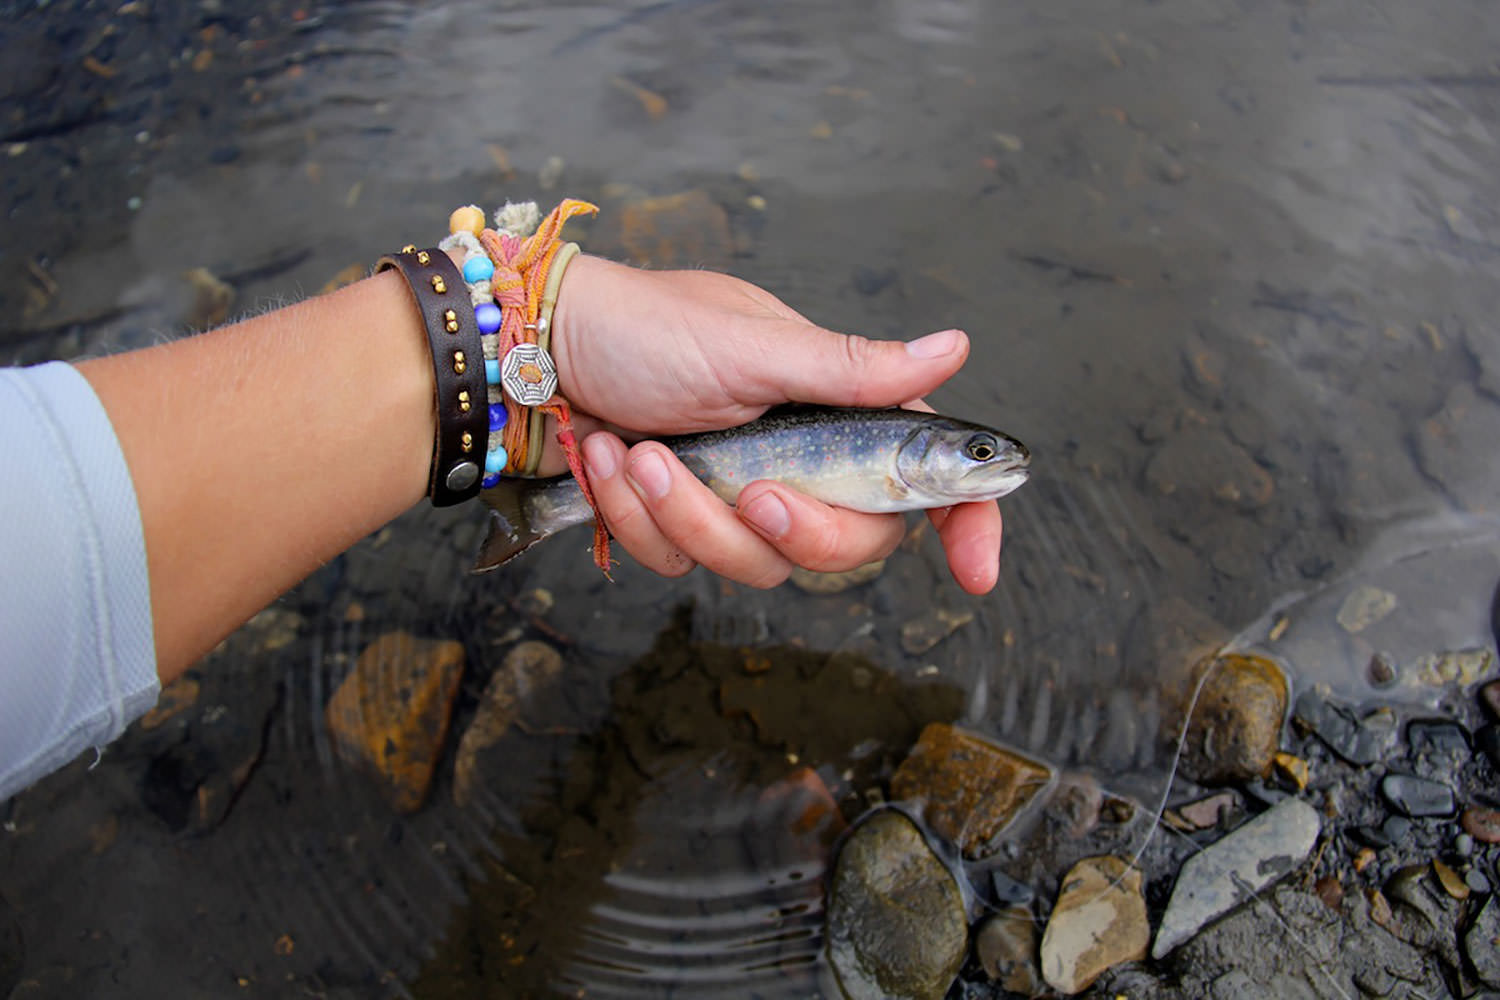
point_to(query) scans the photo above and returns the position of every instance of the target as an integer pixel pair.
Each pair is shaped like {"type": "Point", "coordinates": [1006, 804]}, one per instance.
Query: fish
{"type": "Point", "coordinates": [869, 460]}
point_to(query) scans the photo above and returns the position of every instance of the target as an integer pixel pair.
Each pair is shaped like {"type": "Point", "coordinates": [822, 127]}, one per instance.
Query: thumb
{"type": "Point", "coordinates": [813, 365]}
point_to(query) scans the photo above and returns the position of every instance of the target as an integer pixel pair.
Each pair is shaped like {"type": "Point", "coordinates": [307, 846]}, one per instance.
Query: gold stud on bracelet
{"type": "Point", "coordinates": [438, 284]}
{"type": "Point", "coordinates": [409, 248]}
{"type": "Point", "coordinates": [466, 441]}
{"type": "Point", "coordinates": [424, 258]}
{"type": "Point", "coordinates": [450, 321]}
{"type": "Point", "coordinates": [458, 363]}
{"type": "Point", "coordinates": [463, 401]}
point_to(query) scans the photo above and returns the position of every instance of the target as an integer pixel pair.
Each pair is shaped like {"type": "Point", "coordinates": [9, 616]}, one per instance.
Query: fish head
{"type": "Point", "coordinates": [950, 461]}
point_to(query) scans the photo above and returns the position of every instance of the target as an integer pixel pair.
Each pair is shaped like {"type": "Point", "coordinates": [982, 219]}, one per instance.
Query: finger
{"type": "Point", "coordinates": [793, 360]}
{"type": "Point", "coordinates": [971, 534]}
{"type": "Point", "coordinates": [694, 519]}
{"type": "Point", "coordinates": [814, 535]}
{"type": "Point", "coordinates": [627, 517]}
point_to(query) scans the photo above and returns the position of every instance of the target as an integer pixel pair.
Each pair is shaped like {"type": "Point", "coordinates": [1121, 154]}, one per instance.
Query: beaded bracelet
{"type": "Point", "coordinates": [514, 276]}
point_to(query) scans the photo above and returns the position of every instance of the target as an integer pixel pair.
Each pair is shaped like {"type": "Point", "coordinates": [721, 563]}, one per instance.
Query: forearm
{"type": "Point", "coordinates": [261, 450]}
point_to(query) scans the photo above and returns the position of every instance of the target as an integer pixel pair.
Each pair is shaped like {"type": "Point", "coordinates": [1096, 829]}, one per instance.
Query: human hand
{"type": "Point", "coordinates": [671, 352]}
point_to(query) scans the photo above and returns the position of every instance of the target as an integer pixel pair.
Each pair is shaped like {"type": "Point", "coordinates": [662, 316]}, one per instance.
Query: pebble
{"type": "Point", "coordinates": [1418, 797]}
{"type": "Point", "coordinates": [1438, 736]}
{"type": "Point", "coordinates": [1365, 606]}
{"type": "Point", "coordinates": [1235, 868]}
{"type": "Point", "coordinates": [1482, 824]}
{"type": "Point", "coordinates": [1006, 947]}
{"type": "Point", "coordinates": [1463, 845]}
{"type": "Point", "coordinates": [1479, 943]}
{"type": "Point", "coordinates": [1236, 723]}
{"type": "Point", "coordinates": [1452, 883]}
{"type": "Point", "coordinates": [1358, 741]}
{"type": "Point", "coordinates": [1460, 667]}
{"type": "Point", "coordinates": [896, 925]}
{"type": "Point", "coordinates": [970, 787]}
{"type": "Point", "coordinates": [1382, 671]}
{"type": "Point", "coordinates": [1099, 921]}
{"type": "Point", "coordinates": [1489, 695]}
{"type": "Point", "coordinates": [1209, 812]}
{"type": "Point", "coordinates": [1009, 891]}
{"type": "Point", "coordinates": [922, 633]}
{"type": "Point", "coordinates": [527, 666]}
{"type": "Point", "coordinates": [1476, 881]}
{"type": "Point", "coordinates": [1292, 768]}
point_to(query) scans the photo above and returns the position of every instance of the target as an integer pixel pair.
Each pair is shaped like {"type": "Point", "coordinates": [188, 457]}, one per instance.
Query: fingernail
{"type": "Point", "coordinates": [599, 457]}
{"type": "Point", "coordinates": [934, 345]}
{"type": "Point", "coordinates": [649, 474]}
{"type": "Point", "coordinates": [769, 514]}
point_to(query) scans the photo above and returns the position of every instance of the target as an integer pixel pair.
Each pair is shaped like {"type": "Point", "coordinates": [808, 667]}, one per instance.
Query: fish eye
{"type": "Point", "coordinates": [982, 447]}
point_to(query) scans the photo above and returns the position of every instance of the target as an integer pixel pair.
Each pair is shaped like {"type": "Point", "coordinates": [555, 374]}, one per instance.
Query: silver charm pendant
{"type": "Point", "coordinates": [528, 375]}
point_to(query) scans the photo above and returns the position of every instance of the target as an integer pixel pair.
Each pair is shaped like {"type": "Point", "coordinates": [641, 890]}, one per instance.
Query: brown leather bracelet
{"type": "Point", "coordinates": [458, 364]}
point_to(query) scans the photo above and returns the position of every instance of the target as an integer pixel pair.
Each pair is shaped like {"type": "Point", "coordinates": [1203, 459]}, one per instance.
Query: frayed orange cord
{"type": "Point", "coordinates": [521, 269]}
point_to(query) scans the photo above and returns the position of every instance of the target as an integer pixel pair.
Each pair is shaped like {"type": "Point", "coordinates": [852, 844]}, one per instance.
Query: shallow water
{"type": "Point", "coordinates": [1230, 272]}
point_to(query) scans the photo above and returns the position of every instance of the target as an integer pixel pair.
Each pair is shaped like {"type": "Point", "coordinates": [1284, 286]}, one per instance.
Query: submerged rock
{"type": "Point", "coordinates": [1232, 870]}
{"type": "Point", "coordinates": [1480, 944]}
{"type": "Point", "coordinates": [1006, 946]}
{"type": "Point", "coordinates": [1413, 796]}
{"type": "Point", "coordinates": [1365, 606]}
{"type": "Point", "coordinates": [1099, 921]}
{"type": "Point", "coordinates": [1235, 725]}
{"type": "Point", "coordinates": [896, 925]}
{"type": "Point", "coordinates": [528, 666]}
{"type": "Point", "coordinates": [970, 788]}
{"type": "Point", "coordinates": [1358, 741]}
{"type": "Point", "coordinates": [391, 713]}
{"type": "Point", "coordinates": [921, 634]}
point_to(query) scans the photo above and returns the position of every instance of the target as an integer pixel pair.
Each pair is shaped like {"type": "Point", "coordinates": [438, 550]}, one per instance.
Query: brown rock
{"type": "Point", "coordinates": [688, 229]}
{"type": "Point", "coordinates": [1235, 727]}
{"type": "Point", "coordinates": [528, 666]}
{"type": "Point", "coordinates": [1099, 921]}
{"type": "Point", "coordinates": [177, 696]}
{"type": "Point", "coordinates": [922, 633]}
{"type": "Point", "coordinates": [1481, 824]}
{"type": "Point", "coordinates": [1209, 812]}
{"type": "Point", "coordinates": [1293, 769]}
{"type": "Point", "coordinates": [970, 788]}
{"type": "Point", "coordinates": [391, 713]}
{"type": "Point", "coordinates": [1006, 946]}
{"type": "Point", "coordinates": [1330, 891]}
{"type": "Point", "coordinates": [1202, 463]}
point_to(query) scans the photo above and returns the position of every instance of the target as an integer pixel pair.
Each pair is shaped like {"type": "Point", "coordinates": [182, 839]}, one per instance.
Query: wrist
{"type": "Point", "coordinates": [571, 317]}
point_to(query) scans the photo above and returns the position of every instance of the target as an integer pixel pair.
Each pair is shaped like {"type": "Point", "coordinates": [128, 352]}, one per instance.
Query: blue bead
{"type": "Point", "coordinates": [494, 462]}
{"type": "Point", "coordinates": [478, 269]}
{"type": "Point", "coordinates": [497, 416]}
{"type": "Point", "coordinates": [488, 315]}
{"type": "Point", "coordinates": [489, 481]}
{"type": "Point", "coordinates": [492, 371]}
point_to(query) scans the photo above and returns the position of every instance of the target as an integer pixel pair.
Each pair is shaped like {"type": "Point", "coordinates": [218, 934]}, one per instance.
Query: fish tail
{"type": "Point", "coordinates": [511, 530]}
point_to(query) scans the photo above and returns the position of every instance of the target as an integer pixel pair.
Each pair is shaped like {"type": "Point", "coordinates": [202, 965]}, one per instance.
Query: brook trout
{"type": "Point", "coordinates": [875, 461]}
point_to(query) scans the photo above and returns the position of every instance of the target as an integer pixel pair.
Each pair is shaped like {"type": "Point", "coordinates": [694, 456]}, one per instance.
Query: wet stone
{"type": "Point", "coordinates": [1235, 725]}
{"type": "Point", "coordinates": [1438, 737]}
{"type": "Point", "coordinates": [1006, 946]}
{"type": "Point", "coordinates": [1358, 741]}
{"type": "Point", "coordinates": [1417, 797]}
{"type": "Point", "coordinates": [1480, 943]}
{"type": "Point", "coordinates": [1099, 921]}
{"type": "Point", "coordinates": [1365, 606]}
{"type": "Point", "coordinates": [1382, 671]}
{"type": "Point", "coordinates": [922, 633]}
{"type": "Point", "coordinates": [1461, 667]}
{"type": "Point", "coordinates": [1207, 813]}
{"type": "Point", "coordinates": [1489, 698]}
{"type": "Point", "coordinates": [1487, 742]}
{"type": "Point", "coordinates": [971, 788]}
{"type": "Point", "coordinates": [391, 713]}
{"type": "Point", "coordinates": [1231, 870]}
{"type": "Point", "coordinates": [527, 666]}
{"type": "Point", "coordinates": [1467, 425]}
{"type": "Point", "coordinates": [1477, 881]}
{"type": "Point", "coordinates": [1200, 464]}
{"type": "Point", "coordinates": [835, 583]}
{"type": "Point", "coordinates": [896, 925]}
{"type": "Point", "coordinates": [687, 229]}
{"type": "Point", "coordinates": [1452, 883]}
{"type": "Point", "coordinates": [1482, 824]}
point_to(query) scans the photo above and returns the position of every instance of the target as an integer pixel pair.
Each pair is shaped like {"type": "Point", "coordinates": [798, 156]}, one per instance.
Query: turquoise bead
{"type": "Point", "coordinates": [492, 371]}
{"type": "Point", "coordinates": [494, 462]}
{"type": "Point", "coordinates": [478, 269]}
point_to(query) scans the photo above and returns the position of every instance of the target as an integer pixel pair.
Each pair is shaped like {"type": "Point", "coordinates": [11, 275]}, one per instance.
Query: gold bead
{"type": "Point", "coordinates": [467, 441]}
{"type": "Point", "coordinates": [458, 363]}
{"type": "Point", "coordinates": [424, 258]}
{"type": "Point", "coordinates": [409, 248]}
{"type": "Point", "coordinates": [469, 219]}
{"type": "Point", "coordinates": [450, 321]}
{"type": "Point", "coordinates": [463, 401]}
{"type": "Point", "coordinates": [438, 284]}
